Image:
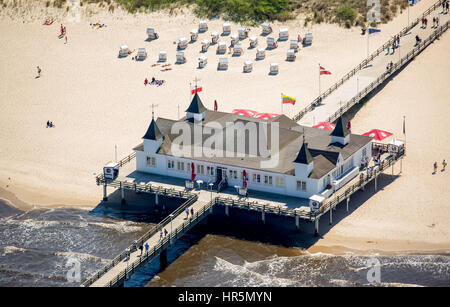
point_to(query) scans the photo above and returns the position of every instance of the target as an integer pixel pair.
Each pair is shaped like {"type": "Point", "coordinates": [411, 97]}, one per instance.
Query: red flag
{"type": "Point", "coordinates": [244, 175]}
{"type": "Point", "coordinates": [323, 71]}
{"type": "Point", "coordinates": [193, 175]}
{"type": "Point", "coordinates": [215, 105]}
{"type": "Point", "coordinates": [349, 125]}
{"type": "Point", "coordinates": [195, 89]}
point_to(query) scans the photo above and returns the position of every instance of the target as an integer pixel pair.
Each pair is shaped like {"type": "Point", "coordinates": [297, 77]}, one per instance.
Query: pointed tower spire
{"type": "Point", "coordinates": [304, 156]}
{"type": "Point", "coordinates": [153, 132]}
{"type": "Point", "coordinates": [196, 105]}
{"type": "Point", "coordinates": [340, 130]}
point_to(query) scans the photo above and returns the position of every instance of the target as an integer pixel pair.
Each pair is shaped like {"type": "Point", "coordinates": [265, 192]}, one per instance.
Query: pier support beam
{"type": "Point", "coordinates": [297, 222]}
{"type": "Point", "coordinates": [163, 259]}
{"type": "Point", "coordinates": [316, 228]}
{"type": "Point", "coordinates": [331, 214]}
{"type": "Point", "coordinates": [348, 200]}
{"type": "Point", "coordinates": [122, 193]}
{"type": "Point", "coordinates": [105, 197]}
{"type": "Point", "coordinates": [263, 215]}
{"type": "Point", "coordinates": [376, 175]}
{"type": "Point", "coordinates": [227, 210]}
{"type": "Point", "coordinates": [156, 198]}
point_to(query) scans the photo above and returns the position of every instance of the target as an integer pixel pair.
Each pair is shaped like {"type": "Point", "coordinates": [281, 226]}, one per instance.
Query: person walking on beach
{"type": "Point", "coordinates": [192, 211]}
{"type": "Point", "coordinates": [141, 248]}
{"type": "Point", "coordinates": [187, 213]}
{"type": "Point", "coordinates": [444, 164]}
{"type": "Point", "coordinates": [146, 247]}
{"type": "Point", "coordinates": [165, 232]}
{"type": "Point", "coordinates": [127, 254]}
{"type": "Point", "coordinates": [161, 235]}
{"type": "Point", "coordinates": [39, 72]}
{"type": "Point", "coordinates": [145, 81]}
{"type": "Point", "coordinates": [435, 167]}
{"type": "Point", "coordinates": [134, 245]}
{"type": "Point", "coordinates": [65, 39]}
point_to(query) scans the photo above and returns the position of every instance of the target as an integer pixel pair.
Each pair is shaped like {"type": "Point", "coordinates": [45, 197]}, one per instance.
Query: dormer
{"type": "Point", "coordinates": [304, 163]}
{"type": "Point", "coordinates": [153, 138]}
{"type": "Point", "coordinates": [196, 110]}
{"type": "Point", "coordinates": [340, 133]}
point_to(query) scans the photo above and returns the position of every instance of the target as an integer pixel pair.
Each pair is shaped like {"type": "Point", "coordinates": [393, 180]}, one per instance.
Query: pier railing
{"type": "Point", "coordinates": [351, 187]}
{"type": "Point", "coordinates": [100, 178]}
{"type": "Point", "coordinates": [410, 55]}
{"type": "Point", "coordinates": [156, 249]}
{"type": "Point", "coordinates": [363, 64]}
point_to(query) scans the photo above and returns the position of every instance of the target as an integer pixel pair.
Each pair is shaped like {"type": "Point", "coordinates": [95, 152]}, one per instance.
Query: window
{"type": "Point", "coordinates": [210, 170]}
{"type": "Point", "coordinates": [279, 182]}
{"type": "Point", "coordinates": [170, 164]}
{"type": "Point", "coordinates": [180, 166]}
{"type": "Point", "coordinates": [364, 152]}
{"type": "Point", "coordinates": [256, 178]}
{"type": "Point", "coordinates": [200, 169]}
{"type": "Point", "coordinates": [151, 161]}
{"type": "Point", "coordinates": [188, 167]}
{"type": "Point", "coordinates": [267, 179]}
{"type": "Point", "coordinates": [301, 185]}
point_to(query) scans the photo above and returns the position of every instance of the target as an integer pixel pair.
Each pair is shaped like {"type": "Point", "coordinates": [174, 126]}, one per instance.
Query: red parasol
{"type": "Point", "coordinates": [325, 125]}
{"type": "Point", "coordinates": [244, 112]}
{"type": "Point", "coordinates": [244, 175]}
{"type": "Point", "coordinates": [378, 134]}
{"type": "Point", "coordinates": [193, 172]}
{"type": "Point", "coordinates": [215, 105]}
{"type": "Point", "coordinates": [266, 115]}
{"type": "Point", "coordinates": [349, 125]}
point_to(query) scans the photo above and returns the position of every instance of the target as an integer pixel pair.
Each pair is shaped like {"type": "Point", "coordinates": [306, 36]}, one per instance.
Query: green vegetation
{"type": "Point", "coordinates": [346, 13]}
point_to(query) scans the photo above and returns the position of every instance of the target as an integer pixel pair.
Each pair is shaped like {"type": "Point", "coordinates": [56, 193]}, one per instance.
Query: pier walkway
{"type": "Point", "coordinates": [202, 202]}
{"type": "Point", "coordinates": [372, 72]}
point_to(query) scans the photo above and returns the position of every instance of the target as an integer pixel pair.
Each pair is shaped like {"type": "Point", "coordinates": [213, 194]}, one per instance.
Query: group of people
{"type": "Point", "coordinates": [50, 124]}
{"type": "Point", "coordinates": [395, 44]}
{"type": "Point", "coordinates": [187, 212]}
{"type": "Point", "coordinates": [445, 6]}
{"type": "Point", "coordinates": [154, 82]}
{"type": "Point", "coordinates": [435, 22]}
{"type": "Point", "coordinates": [435, 166]}
{"type": "Point", "coordinates": [97, 25]}
{"type": "Point", "coordinates": [424, 22]}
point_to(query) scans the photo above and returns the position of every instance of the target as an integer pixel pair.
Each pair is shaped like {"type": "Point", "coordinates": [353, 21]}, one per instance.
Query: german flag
{"type": "Point", "coordinates": [287, 99]}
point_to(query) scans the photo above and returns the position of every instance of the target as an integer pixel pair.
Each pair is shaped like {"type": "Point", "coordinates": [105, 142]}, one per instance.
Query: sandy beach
{"type": "Point", "coordinates": [97, 101]}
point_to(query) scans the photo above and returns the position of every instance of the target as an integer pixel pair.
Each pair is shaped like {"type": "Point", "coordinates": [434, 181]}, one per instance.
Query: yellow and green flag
{"type": "Point", "coordinates": [287, 99]}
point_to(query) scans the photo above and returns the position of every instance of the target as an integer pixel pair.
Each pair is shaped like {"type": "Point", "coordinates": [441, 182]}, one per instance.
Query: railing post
{"type": "Point", "coordinates": [105, 197]}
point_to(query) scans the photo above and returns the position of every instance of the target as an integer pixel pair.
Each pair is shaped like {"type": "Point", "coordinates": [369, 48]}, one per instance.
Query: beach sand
{"type": "Point", "coordinates": [97, 101]}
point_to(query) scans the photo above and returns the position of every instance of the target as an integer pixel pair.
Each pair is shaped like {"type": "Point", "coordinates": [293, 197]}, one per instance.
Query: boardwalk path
{"type": "Point", "coordinates": [369, 73]}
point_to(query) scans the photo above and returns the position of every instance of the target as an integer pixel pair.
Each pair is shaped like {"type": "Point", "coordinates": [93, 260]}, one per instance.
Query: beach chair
{"type": "Point", "coordinates": [194, 35]}
{"type": "Point", "coordinates": [273, 68]}
{"type": "Point", "coordinates": [253, 41]}
{"type": "Point", "coordinates": [243, 33]}
{"type": "Point", "coordinates": [205, 45]}
{"type": "Point", "coordinates": [266, 28]}
{"type": "Point", "coordinates": [226, 28]}
{"type": "Point", "coordinates": [271, 43]}
{"type": "Point", "coordinates": [260, 53]}
{"type": "Point", "coordinates": [214, 37]}
{"type": "Point", "coordinates": [141, 54]}
{"type": "Point", "coordinates": [234, 39]}
{"type": "Point", "coordinates": [284, 34]}
{"type": "Point", "coordinates": [307, 40]}
{"type": "Point", "coordinates": [162, 56]}
{"type": "Point", "coordinates": [202, 26]}
{"type": "Point", "coordinates": [221, 48]}
{"type": "Point", "coordinates": [181, 59]}
{"type": "Point", "coordinates": [152, 34]}
{"type": "Point", "coordinates": [202, 61]}
{"type": "Point", "coordinates": [290, 55]}
{"type": "Point", "coordinates": [223, 64]}
{"type": "Point", "coordinates": [123, 51]}
{"type": "Point", "coordinates": [248, 66]}
{"type": "Point", "coordinates": [294, 44]}
{"type": "Point", "coordinates": [182, 43]}
{"type": "Point", "coordinates": [237, 50]}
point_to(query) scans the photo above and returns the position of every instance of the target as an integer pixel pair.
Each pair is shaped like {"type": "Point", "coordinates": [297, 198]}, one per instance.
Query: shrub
{"type": "Point", "coordinates": [346, 14]}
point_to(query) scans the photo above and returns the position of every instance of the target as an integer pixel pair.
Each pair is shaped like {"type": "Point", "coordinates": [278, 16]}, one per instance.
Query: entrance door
{"type": "Point", "coordinates": [220, 173]}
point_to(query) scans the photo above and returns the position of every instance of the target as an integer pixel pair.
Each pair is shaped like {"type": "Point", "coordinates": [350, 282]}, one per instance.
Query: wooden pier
{"type": "Point", "coordinates": [371, 72]}
{"type": "Point", "coordinates": [202, 202]}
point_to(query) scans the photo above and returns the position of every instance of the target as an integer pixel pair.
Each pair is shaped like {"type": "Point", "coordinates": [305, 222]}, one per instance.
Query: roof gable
{"type": "Point", "coordinates": [196, 105]}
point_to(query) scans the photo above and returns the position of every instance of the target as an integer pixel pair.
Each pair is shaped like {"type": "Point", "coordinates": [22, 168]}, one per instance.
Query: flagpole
{"type": "Point", "coordinates": [368, 42]}
{"type": "Point", "coordinates": [281, 103]}
{"type": "Point", "coordinates": [319, 80]}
